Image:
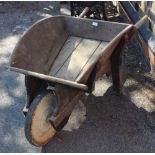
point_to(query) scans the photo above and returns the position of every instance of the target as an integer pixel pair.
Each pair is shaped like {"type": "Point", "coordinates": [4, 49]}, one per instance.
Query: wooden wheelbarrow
{"type": "Point", "coordinates": [61, 58]}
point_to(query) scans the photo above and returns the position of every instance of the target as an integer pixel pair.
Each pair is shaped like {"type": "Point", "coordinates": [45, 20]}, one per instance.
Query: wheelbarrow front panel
{"type": "Point", "coordinates": [93, 29]}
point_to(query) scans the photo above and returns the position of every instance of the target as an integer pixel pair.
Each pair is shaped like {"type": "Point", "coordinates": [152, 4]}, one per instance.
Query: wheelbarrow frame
{"type": "Point", "coordinates": [109, 61]}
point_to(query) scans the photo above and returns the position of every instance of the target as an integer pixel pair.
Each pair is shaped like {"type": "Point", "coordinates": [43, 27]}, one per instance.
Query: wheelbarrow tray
{"type": "Point", "coordinates": [65, 49]}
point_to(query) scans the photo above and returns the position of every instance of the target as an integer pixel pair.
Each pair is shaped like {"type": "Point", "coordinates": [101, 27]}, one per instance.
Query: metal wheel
{"type": "Point", "coordinates": [38, 129]}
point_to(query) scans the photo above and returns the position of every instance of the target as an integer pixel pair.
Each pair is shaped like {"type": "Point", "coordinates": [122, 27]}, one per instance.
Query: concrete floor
{"type": "Point", "coordinates": [104, 123]}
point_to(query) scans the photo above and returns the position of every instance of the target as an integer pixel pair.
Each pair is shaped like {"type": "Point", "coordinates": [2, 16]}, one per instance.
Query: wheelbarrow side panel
{"type": "Point", "coordinates": [103, 58]}
{"type": "Point", "coordinates": [40, 45]}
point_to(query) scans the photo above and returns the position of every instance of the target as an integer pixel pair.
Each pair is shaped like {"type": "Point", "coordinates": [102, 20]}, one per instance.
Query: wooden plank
{"type": "Point", "coordinates": [70, 45]}
{"type": "Point", "coordinates": [78, 59]}
{"type": "Point", "coordinates": [101, 30]}
{"type": "Point", "coordinates": [51, 78]}
{"type": "Point", "coordinates": [92, 59]}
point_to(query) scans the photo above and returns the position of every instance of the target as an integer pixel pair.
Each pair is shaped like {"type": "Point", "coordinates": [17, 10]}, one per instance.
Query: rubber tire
{"type": "Point", "coordinates": [33, 133]}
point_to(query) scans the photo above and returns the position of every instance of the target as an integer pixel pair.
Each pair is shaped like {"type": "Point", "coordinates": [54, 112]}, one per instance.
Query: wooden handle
{"type": "Point", "coordinates": [141, 22]}
{"type": "Point", "coordinates": [84, 12]}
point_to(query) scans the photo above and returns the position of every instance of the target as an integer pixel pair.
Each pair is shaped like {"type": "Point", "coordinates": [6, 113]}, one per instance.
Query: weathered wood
{"type": "Point", "coordinates": [105, 68]}
{"type": "Point", "coordinates": [91, 79]}
{"type": "Point", "coordinates": [89, 58]}
{"type": "Point", "coordinates": [95, 55]}
{"type": "Point", "coordinates": [51, 78]}
{"type": "Point", "coordinates": [70, 97]}
{"type": "Point", "coordinates": [44, 40]}
{"type": "Point", "coordinates": [40, 45]}
{"type": "Point", "coordinates": [93, 29]}
{"type": "Point", "coordinates": [116, 66]}
{"type": "Point", "coordinates": [84, 12]}
{"type": "Point", "coordinates": [38, 130]}
{"type": "Point", "coordinates": [141, 22]}
{"type": "Point", "coordinates": [33, 86]}
{"type": "Point", "coordinates": [78, 59]}
{"type": "Point", "coordinates": [73, 66]}
{"type": "Point", "coordinates": [70, 45]}
{"type": "Point", "coordinates": [105, 55]}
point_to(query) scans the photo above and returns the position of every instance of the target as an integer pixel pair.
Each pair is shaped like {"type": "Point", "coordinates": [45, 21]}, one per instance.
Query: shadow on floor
{"type": "Point", "coordinates": [113, 124]}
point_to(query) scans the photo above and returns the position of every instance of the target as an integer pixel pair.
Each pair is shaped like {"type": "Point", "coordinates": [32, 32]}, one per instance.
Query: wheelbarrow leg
{"type": "Point", "coordinates": [33, 86]}
{"type": "Point", "coordinates": [116, 67]}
